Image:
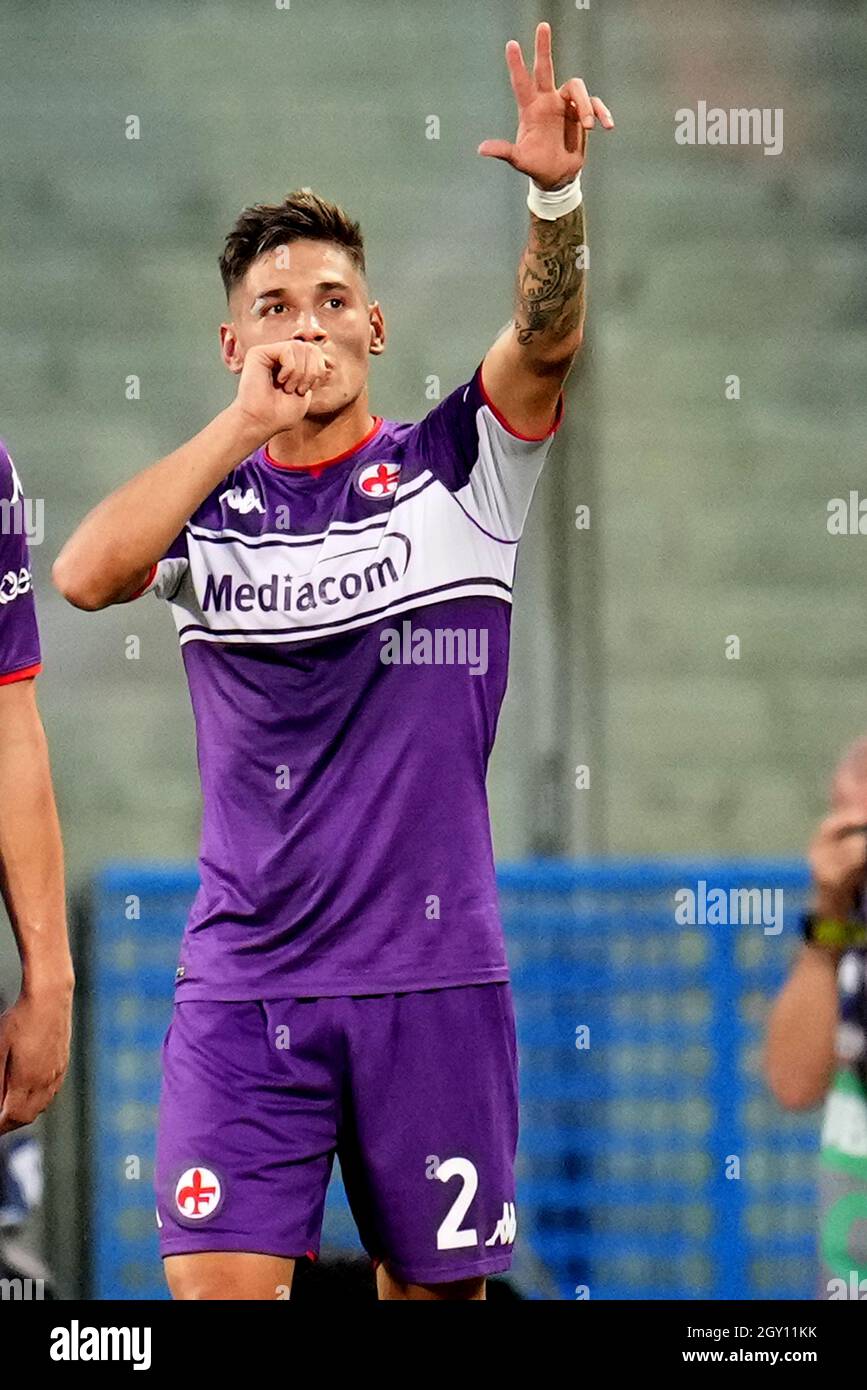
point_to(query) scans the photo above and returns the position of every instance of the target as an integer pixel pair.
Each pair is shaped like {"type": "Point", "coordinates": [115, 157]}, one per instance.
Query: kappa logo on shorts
{"type": "Point", "coordinates": [198, 1192]}
{"type": "Point", "coordinates": [377, 479]}
{"type": "Point", "coordinates": [506, 1228]}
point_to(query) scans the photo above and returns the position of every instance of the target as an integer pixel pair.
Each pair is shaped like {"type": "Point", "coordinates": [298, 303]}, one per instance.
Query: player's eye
{"type": "Point", "coordinates": [274, 306]}
{"type": "Point", "coordinates": [335, 299]}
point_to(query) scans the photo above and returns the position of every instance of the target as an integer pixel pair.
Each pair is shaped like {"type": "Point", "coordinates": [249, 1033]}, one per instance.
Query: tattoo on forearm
{"type": "Point", "coordinates": [550, 298]}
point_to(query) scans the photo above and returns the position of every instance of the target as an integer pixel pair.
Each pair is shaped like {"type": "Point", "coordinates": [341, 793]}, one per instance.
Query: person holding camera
{"type": "Point", "coordinates": [816, 1046]}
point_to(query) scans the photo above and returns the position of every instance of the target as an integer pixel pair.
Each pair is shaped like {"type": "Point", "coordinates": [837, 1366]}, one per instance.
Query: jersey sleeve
{"type": "Point", "coordinates": [165, 577]}
{"type": "Point", "coordinates": [20, 656]}
{"type": "Point", "coordinates": [491, 469]}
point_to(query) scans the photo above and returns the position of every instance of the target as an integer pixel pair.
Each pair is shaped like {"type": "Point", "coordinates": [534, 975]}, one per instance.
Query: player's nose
{"type": "Point", "coordinates": [309, 330]}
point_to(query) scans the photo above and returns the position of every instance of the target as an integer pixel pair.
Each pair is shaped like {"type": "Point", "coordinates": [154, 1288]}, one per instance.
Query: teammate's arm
{"type": "Point", "coordinates": [525, 368]}
{"type": "Point", "coordinates": [35, 1031]}
{"type": "Point", "coordinates": [109, 558]}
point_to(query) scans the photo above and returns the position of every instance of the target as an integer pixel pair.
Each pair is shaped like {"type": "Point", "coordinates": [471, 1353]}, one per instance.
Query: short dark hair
{"type": "Point", "coordinates": [302, 215]}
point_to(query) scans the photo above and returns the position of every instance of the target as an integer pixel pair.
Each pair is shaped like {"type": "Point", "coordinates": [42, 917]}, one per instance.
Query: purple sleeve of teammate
{"type": "Point", "coordinates": [20, 656]}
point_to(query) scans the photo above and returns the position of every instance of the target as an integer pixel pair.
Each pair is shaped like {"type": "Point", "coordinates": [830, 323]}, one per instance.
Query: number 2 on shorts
{"type": "Point", "coordinates": [450, 1236]}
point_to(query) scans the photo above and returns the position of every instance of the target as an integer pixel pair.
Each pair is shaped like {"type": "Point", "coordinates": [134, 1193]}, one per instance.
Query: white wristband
{"type": "Point", "coordinates": [551, 203]}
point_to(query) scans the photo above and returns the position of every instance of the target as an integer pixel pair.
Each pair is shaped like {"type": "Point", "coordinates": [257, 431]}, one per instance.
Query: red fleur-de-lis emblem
{"type": "Point", "coordinates": [378, 479]}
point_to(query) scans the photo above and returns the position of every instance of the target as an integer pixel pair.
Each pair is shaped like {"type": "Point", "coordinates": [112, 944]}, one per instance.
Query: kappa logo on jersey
{"type": "Point", "coordinates": [14, 584]}
{"type": "Point", "coordinates": [197, 1193]}
{"type": "Point", "coordinates": [506, 1228]}
{"type": "Point", "coordinates": [377, 479]}
{"type": "Point", "coordinates": [243, 502]}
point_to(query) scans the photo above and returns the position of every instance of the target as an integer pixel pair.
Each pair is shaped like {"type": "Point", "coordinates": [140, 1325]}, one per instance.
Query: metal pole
{"type": "Point", "coordinates": [575, 821]}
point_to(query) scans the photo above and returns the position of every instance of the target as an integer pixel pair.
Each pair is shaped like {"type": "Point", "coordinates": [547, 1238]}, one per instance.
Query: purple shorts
{"type": "Point", "coordinates": [416, 1093]}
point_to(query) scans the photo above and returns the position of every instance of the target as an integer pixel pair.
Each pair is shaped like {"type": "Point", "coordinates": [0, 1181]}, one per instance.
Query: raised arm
{"type": "Point", "coordinates": [524, 370]}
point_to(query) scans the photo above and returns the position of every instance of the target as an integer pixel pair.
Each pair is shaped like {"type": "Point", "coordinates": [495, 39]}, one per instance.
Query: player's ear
{"type": "Point", "coordinates": [377, 329]}
{"type": "Point", "coordinates": [230, 349]}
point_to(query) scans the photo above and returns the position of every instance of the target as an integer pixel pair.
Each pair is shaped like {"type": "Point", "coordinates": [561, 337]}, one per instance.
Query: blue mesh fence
{"type": "Point", "coordinates": [652, 1163]}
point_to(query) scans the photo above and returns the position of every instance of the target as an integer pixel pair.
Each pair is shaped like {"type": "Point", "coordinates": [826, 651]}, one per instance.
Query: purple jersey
{"type": "Point", "coordinates": [345, 633]}
{"type": "Point", "coordinates": [19, 637]}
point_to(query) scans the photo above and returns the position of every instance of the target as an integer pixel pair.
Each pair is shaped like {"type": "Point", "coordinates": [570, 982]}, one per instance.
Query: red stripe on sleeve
{"type": "Point", "coordinates": [152, 573]}
{"type": "Point", "coordinates": [26, 674]}
{"type": "Point", "coordinates": [528, 438]}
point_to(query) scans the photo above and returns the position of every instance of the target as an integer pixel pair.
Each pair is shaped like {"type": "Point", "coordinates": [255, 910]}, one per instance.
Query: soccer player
{"type": "Point", "coordinates": [341, 586]}
{"type": "Point", "coordinates": [35, 1030]}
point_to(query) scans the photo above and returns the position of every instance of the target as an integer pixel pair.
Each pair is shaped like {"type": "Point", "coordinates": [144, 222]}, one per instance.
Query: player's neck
{"type": "Point", "coordinates": [320, 440]}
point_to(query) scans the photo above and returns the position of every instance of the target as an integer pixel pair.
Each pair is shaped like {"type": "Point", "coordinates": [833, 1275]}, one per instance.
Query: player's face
{"type": "Point", "coordinates": [311, 291]}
